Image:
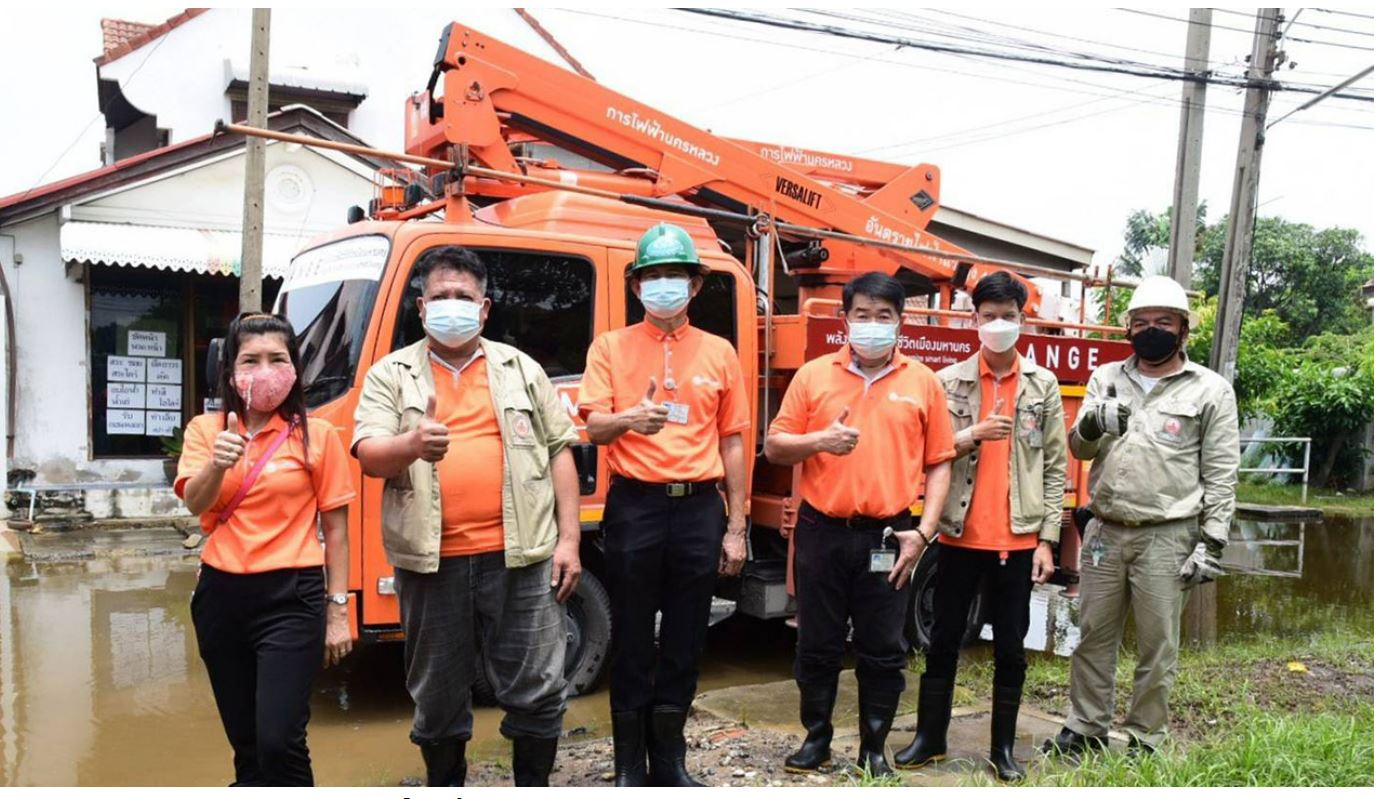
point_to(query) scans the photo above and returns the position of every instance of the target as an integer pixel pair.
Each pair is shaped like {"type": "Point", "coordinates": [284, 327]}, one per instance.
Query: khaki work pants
{"type": "Point", "coordinates": [1124, 570]}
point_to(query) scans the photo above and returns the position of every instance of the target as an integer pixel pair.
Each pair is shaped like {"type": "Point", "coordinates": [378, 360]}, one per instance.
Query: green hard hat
{"type": "Point", "coordinates": [665, 243]}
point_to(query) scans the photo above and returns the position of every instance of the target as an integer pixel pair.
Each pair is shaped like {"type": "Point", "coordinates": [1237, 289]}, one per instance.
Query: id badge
{"type": "Point", "coordinates": [679, 412]}
{"type": "Point", "coordinates": [882, 561]}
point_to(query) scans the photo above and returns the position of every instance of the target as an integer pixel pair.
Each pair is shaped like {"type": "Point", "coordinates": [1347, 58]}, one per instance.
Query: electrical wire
{"type": "Point", "coordinates": [100, 113]}
{"type": "Point", "coordinates": [735, 35]}
{"type": "Point", "coordinates": [1303, 24]}
{"type": "Point", "coordinates": [846, 33]}
{"type": "Point", "coordinates": [1241, 30]}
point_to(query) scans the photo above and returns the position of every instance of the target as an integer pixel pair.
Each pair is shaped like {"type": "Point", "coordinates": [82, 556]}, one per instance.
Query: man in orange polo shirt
{"type": "Point", "coordinates": [668, 401]}
{"type": "Point", "coordinates": [869, 425]}
{"type": "Point", "coordinates": [1001, 522]}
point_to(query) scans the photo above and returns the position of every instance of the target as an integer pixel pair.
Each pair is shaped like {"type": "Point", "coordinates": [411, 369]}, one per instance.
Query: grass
{"type": "Point", "coordinates": [1264, 710]}
{"type": "Point", "coordinates": [1328, 500]}
{"type": "Point", "coordinates": [1258, 749]}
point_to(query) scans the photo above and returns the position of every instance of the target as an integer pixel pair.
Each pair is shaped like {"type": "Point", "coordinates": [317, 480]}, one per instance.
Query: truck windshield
{"type": "Point", "coordinates": [328, 297]}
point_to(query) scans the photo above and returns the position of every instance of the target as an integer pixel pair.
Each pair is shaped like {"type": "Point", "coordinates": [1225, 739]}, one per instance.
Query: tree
{"type": "Point", "coordinates": [1329, 397]}
{"type": "Point", "coordinates": [1312, 278]}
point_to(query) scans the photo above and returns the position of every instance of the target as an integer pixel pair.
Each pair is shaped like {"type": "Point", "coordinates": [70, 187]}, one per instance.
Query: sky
{"type": "Point", "coordinates": [1069, 154]}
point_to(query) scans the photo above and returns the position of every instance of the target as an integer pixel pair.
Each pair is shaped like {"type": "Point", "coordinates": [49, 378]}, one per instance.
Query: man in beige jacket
{"type": "Point", "coordinates": [1001, 522]}
{"type": "Point", "coordinates": [480, 522]}
{"type": "Point", "coordinates": [1164, 441]}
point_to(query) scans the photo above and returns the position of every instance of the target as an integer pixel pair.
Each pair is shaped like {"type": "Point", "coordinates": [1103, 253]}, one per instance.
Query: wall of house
{"type": "Point", "coordinates": [51, 419]}
{"type": "Point", "coordinates": [51, 318]}
{"type": "Point", "coordinates": [183, 80]}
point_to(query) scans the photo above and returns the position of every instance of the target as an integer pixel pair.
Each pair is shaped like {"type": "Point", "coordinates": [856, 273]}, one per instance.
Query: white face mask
{"type": "Point", "coordinates": [872, 339]}
{"type": "Point", "coordinates": [999, 335]}
{"type": "Point", "coordinates": [665, 297]}
{"type": "Point", "coordinates": [453, 322]}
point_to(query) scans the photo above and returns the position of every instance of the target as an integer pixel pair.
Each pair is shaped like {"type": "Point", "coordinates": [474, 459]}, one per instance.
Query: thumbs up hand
{"type": "Point", "coordinates": [432, 438]}
{"type": "Point", "coordinates": [996, 426]}
{"type": "Point", "coordinates": [838, 438]}
{"type": "Point", "coordinates": [646, 417]}
{"type": "Point", "coordinates": [229, 444]}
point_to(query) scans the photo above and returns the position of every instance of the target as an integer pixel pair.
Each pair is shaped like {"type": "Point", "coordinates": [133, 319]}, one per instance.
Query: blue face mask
{"type": "Point", "coordinates": [665, 297]}
{"type": "Point", "coordinates": [452, 322]}
{"type": "Point", "coordinates": [872, 339]}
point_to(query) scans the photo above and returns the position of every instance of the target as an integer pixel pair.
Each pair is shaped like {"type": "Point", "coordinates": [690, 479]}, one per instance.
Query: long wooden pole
{"type": "Point", "coordinates": [251, 233]}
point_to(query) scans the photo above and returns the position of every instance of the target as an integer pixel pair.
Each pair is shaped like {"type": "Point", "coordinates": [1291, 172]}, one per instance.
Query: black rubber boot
{"type": "Point", "coordinates": [666, 747]}
{"type": "Point", "coordinates": [1005, 711]}
{"type": "Point", "coordinates": [445, 764]}
{"type": "Point", "coordinates": [875, 712]}
{"type": "Point", "coordinates": [532, 761]}
{"type": "Point", "coordinates": [930, 744]}
{"type": "Point", "coordinates": [816, 714]}
{"type": "Point", "coordinates": [1069, 743]}
{"type": "Point", "coordinates": [629, 748]}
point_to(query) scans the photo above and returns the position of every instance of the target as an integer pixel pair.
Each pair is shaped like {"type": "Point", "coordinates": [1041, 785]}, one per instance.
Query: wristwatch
{"type": "Point", "coordinates": [338, 599]}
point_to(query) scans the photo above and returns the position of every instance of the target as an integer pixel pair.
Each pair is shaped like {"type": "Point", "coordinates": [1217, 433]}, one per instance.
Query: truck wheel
{"type": "Point", "coordinates": [919, 619]}
{"type": "Point", "coordinates": [588, 633]}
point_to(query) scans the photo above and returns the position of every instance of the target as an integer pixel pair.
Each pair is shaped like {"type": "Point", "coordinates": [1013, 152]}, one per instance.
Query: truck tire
{"type": "Point", "coordinates": [919, 616]}
{"type": "Point", "coordinates": [588, 634]}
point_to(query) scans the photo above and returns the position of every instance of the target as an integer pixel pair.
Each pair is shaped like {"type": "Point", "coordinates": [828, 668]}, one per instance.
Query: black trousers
{"type": "Point", "coordinates": [960, 573]}
{"type": "Point", "coordinates": [661, 553]}
{"type": "Point", "coordinates": [261, 637]}
{"type": "Point", "coordinates": [834, 582]}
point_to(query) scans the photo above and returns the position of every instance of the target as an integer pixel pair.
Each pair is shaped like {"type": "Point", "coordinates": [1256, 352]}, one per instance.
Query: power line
{"type": "Point", "coordinates": [847, 33]}
{"type": "Point", "coordinates": [1303, 24]}
{"type": "Point", "coordinates": [1240, 30]}
{"type": "Point", "coordinates": [1343, 13]}
{"type": "Point", "coordinates": [100, 113]}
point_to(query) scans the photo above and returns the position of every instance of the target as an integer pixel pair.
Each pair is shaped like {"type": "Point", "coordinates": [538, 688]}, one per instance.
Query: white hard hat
{"type": "Point", "coordinates": [1159, 291]}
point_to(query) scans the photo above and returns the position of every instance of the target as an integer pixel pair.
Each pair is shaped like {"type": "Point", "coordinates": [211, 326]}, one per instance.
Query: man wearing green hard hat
{"type": "Point", "coordinates": [668, 401]}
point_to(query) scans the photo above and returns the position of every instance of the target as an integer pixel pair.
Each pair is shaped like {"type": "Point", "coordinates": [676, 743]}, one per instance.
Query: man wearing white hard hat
{"type": "Point", "coordinates": [1164, 441]}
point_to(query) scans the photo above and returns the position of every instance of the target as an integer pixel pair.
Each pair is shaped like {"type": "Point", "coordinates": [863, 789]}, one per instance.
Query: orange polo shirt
{"type": "Point", "coordinates": [274, 526]}
{"type": "Point", "coordinates": [988, 517]}
{"type": "Point", "coordinates": [471, 473]}
{"type": "Point", "coordinates": [903, 420]}
{"type": "Point", "coordinates": [691, 368]}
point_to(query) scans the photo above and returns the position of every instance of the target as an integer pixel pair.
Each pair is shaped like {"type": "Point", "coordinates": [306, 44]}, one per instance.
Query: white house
{"type": "Point", "coordinates": [118, 278]}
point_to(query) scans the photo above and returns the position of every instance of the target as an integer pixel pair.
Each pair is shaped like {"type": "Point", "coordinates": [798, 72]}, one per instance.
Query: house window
{"type": "Point", "coordinates": [149, 336]}
{"type": "Point", "coordinates": [136, 337]}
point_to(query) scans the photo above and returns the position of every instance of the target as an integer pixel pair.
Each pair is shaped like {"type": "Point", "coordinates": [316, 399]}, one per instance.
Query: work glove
{"type": "Point", "coordinates": [1099, 419]}
{"type": "Point", "coordinates": [1200, 567]}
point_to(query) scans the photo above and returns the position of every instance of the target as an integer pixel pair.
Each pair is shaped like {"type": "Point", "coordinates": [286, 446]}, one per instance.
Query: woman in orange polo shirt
{"type": "Point", "coordinates": [267, 615]}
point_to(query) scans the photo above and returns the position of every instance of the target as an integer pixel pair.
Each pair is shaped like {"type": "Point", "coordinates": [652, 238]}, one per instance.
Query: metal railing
{"type": "Point", "coordinates": [1306, 459]}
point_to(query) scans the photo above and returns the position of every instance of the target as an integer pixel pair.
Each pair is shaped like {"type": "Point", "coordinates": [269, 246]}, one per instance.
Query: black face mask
{"type": "Point", "coordinates": [1154, 345]}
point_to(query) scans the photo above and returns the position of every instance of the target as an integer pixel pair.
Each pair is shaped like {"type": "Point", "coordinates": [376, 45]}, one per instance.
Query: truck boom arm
{"type": "Point", "coordinates": [491, 87]}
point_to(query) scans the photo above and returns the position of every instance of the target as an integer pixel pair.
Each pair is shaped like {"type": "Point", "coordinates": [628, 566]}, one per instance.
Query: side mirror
{"type": "Point", "coordinates": [213, 355]}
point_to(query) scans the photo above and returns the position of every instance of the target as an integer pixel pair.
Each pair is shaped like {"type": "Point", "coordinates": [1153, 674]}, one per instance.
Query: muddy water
{"type": "Point", "coordinates": [100, 684]}
{"type": "Point", "coordinates": [1292, 579]}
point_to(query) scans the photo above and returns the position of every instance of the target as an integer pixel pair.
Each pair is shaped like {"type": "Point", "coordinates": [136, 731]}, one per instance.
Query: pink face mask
{"type": "Point", "coordinates": [264, 388]}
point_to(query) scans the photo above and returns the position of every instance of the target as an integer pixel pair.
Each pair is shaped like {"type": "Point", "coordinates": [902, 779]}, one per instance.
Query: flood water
{"type": "Point", "coordinates": [100, 683]}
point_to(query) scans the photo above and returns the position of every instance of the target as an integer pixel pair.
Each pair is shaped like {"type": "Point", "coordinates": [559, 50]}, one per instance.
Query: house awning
{"type": "Point", "coordinates": [211, 252]}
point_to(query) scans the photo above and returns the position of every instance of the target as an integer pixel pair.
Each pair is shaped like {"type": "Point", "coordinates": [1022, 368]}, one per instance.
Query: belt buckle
{"type": "Point", "coordinates": [677, 489]}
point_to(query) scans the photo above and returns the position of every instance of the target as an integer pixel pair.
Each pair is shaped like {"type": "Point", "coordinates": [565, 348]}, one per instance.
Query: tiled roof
{"type": "Point", "coordinates": [126, 45]}
{"type": "Point", "coordinates": [116, 33]}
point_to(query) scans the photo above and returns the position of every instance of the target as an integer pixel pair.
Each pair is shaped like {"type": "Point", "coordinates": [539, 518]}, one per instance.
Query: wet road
{"type": "Point", "coordinates": [100, 683]}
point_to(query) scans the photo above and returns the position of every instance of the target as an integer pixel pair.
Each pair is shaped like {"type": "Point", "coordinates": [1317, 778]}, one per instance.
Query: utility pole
{"type": "Point", "coordinates": [1183, 226]}
{"type": "Point", "coordinates": [1199, 621]}
{"type": "Point", "coordinates": [251, 236]}
{"type": "Point", "coordinates": [1244, 193]}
